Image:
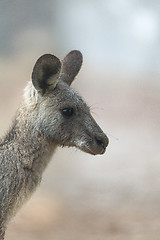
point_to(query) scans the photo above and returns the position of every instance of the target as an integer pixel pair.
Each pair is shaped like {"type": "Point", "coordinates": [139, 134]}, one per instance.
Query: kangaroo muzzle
{"type": "Point", "coordinates": [101, 143]}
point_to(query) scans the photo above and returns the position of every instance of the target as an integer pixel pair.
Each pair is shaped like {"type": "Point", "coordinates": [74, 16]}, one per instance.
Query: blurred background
{"type": "Point", "coordinates": [115, 196]}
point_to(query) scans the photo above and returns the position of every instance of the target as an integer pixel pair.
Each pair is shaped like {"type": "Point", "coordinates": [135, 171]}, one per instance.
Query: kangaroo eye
{"type": "Point", "coordinates": [67, 112]}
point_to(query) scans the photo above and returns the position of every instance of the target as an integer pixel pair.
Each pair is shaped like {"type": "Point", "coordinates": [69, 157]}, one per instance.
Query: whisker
{"type": "Point", "coordinates": [94, 107]}
{"type": "Point", "coordinates": [110, 135]}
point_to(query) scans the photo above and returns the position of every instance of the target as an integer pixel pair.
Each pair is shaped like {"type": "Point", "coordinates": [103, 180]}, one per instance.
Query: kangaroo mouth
{"type": "Point", "coordinates": [93, 150]}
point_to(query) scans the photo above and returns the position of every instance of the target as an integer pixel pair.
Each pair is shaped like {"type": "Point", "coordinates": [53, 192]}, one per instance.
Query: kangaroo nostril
{"type": "Point", "coordinates": [102, 141]}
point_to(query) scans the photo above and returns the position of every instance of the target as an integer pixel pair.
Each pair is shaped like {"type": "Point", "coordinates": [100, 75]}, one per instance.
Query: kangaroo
{"type": "Point", "coordinates": [51, 114]}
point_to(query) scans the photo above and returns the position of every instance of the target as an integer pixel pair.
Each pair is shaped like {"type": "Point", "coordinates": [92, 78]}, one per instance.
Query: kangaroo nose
{"type": "Point", "coordinates": [102, 141]}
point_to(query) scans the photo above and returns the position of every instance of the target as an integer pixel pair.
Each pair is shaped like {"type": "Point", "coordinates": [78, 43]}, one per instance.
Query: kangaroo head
{"type": "Point", "coordinates": [61, 114]}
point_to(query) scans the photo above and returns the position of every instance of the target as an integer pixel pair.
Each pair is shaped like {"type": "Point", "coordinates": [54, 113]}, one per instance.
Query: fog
{"type": "Point", "coordinates": [114, 196]}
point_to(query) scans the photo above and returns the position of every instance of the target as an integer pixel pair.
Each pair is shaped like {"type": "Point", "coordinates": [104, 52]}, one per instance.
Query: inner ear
{"type": "Point", "coordinates": [46, 73]}
{"type": "Point", "coordinates": [71, 65]}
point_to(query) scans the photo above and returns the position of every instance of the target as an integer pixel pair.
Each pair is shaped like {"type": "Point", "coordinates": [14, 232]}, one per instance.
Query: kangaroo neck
{"type": "Point", "coordinates": [27, 145]}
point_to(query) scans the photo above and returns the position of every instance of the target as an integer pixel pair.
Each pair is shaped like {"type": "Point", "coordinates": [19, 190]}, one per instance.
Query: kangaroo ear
{"type": "Point", "coordinates": [46, 73]}
{"type": "Point", "coordinates": [71, 65]}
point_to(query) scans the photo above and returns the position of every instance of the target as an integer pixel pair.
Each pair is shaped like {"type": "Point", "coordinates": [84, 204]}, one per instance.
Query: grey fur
{"type": "Point", "coordinates": [52, 114]}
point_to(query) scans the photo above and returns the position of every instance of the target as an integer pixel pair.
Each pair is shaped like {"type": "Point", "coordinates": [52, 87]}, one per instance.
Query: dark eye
{"type": "Point", "coordinates": [67, 112]}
